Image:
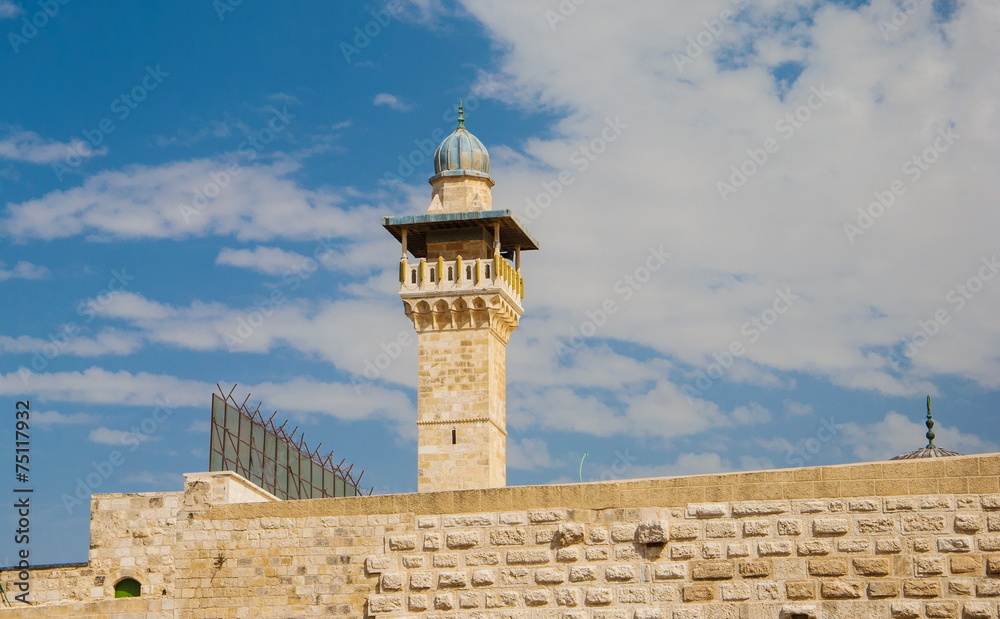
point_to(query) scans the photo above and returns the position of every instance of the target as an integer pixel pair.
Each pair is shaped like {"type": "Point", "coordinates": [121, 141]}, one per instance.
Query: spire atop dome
{"type": "Point", "coordinates": [461, 153]}
{"type": "Point", "coordinates": [931, 450]}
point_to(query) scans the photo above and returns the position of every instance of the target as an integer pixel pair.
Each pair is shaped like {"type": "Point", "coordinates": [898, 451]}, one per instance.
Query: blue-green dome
{"type": "Point", "coordinates": [461, 153]}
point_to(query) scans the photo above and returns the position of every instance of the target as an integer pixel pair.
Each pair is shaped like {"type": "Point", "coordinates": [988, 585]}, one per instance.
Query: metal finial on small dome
{"type": "Point", "coordinates": [461, 115]}
{"type": "Point", "coordinates": [930, 425]}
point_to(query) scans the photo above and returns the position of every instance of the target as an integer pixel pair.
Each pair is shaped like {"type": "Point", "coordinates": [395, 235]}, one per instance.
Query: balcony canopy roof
{"type": "Point", "coordinates": [512, 233]}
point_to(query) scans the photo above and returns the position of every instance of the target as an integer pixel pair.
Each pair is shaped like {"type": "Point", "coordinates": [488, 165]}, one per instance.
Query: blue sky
{"type": "Point", "coordinates": [768, 230]}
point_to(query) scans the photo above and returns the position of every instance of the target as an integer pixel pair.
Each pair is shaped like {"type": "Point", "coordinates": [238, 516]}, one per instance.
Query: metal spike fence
{"type": "Point", "coordinates": [245, 442]}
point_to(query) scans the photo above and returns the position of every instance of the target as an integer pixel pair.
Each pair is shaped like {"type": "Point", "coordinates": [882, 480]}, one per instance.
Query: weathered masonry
{"type": "Point", "coordinates": [900, 539]}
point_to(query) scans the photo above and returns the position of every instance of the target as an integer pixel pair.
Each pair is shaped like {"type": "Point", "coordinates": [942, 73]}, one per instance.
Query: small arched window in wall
{"type": "Point", "coordinates": [128, 588]}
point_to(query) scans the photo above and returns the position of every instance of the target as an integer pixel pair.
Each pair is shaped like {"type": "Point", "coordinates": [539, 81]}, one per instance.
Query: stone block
{"type": "Point", "coordinates": [513, 518]}
{"type": "Point", "coordinates": [774, 548]}
{"type": "Point", "coordinates": [567, 596]}
{"type": "Point", "coordinates": [507, 537]}
{"type": "Point", "coordinates": [484, 578]}
{"type": "Point", "coordinates": [712, 570]}
{"type": "Point", "coordinates": [651, 612]}
{"type": "Point", "coordinates": [698, 593]}
{"type": "Point", "coordinates": [537, 597]}
{"type": "Point", "coordinates": [961, 586]}
{"type": "Point", "coordinates": [582, 573]}
{"type": "Point", "coordinates": [876, 525]}
{"type": "Point", "coordinates": [682, 551]}
{"type": "Point", "coordinates": [567, 555]}
{"type": "Point", "coordinates": [391, 582]}
{"type": "Point", "coordinates": [633, 595]}
{"type": "Point", "coordinates": [421, 580]}
{"type": "Point", "coordinates": [864, 505]}
{"type": "Point", "coordinates": [789, 527]}
{"type": "Point", "coordinates": [598, 596]}
{"type": "Point", "coordinates": [883, 589]}
{"type": "Point", "coordinates": [712, 550]}
{"type": "Point", "coordinates": [941, 609]}
{"type": "Point", "coordinates": [432, 541]}
{"type": "Point", "coordinates": [652, 532]}
{"type": "Point", "coordinates": [550, 576]}
{"type": "Point", "coordinates": [402, 542]}
{"type": "Point", "coordinates": [954, 544]}
{"type": "Point", "coordinates": [444, 601]}
{"type": "Point", "coordinates": [623, 532]}
{"type": "Point", "coordinates": [468, 599]}
{"type": "Point", "coordinates": [759, 508]}
{"type": "Point", "coordinates": [923, 523]}
{"type": "Point", "coordinates": [988, 588]}
{"type": "Point", "coordinates": [831, 526]}
{"type": "Point", "coordinates": [827, 567]}
{"type": "Point", "coordinates": [468, 520]}
{"type": "Point", "coordinates": [738, 550]}
{"type": "Point", "coordinates": [669, 571]}
{"type": "Point", "coordinates": [756, 528]}
{"type": "Point", "coordinates": [463, 539]}
{"type": "Point", "coordinates": [904, 610]}
{"type": "Point", "coordinates": [475, 559]}
{"type": "Point", "coordinates": [597, 534]}
{"type": "Point", "coordinates": [853, 545]}
{"type": "Point", "coordinates": [888, 546]}
{"type": "Point", "coordinates": [871, 567]}
{"type": "Point", "coordinates": [720, 530]}
{"type": "Point", "coordinates": [990, 502]}
{"type": "Point", "coordinates": [992, 565]}
{"type": "Point", "coordinates": [417, 602]}
{"type": "Point", "coordinates": [446, 559]}
{"type": "Point", "coordinates": [528, 557]}
{"type": "Point", "coordinates": [928, 566]}
{"type": "Point", "coordinates": [900, 504]}
{"type": "Point", "coordinates": [685, 531]}
{"type": "Point", "coordinates": [755, 569]}
{"type": "Point", "coordinates": [619, 573]}
{"type": "Point", "coordinates": [978, 610]}
{"type": "Point", "coordinates": [800, 590]}
{"type": "Point", "coordinates": [841, 590]}
{"type": "Point", "coordinates": [813, 548]}
{"type": "Point", "coordinates": [735, 592]}
{"type": "Point", "coordinates": [375, 564]}
{"type": "Point", "coordinates": [542, 516]}
{"type": "Point", "coordinates": [453, 579]}
{"type": "Point", "coordinates": [380, 604]}
{"type": "Point", "coordinates": [968, 523]}
{"type": "Point", "coordinates": [707, 510]}
{"type": "Point", "coordinates": [921, 588]}
{"type": "Point", "coordinates": [501, 598]}
{"type": "Point", "coordinates": [570, 533]}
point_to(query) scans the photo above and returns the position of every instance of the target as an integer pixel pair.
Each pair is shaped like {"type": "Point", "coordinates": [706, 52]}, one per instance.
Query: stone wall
{"type": "Point", "coordinates": [888, 539]}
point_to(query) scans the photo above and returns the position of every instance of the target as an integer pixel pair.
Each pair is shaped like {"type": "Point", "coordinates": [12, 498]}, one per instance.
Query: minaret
{"type": "Point", "coordinates": [463, 293]}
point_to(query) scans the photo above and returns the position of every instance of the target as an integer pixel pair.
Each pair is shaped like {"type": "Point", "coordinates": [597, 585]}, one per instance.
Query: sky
{"type": "Point", "coordinates": [768, 231]}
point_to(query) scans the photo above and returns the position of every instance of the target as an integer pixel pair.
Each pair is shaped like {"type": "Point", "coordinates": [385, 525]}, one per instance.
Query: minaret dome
{"type": "Point", "coordinates": [461, 153]}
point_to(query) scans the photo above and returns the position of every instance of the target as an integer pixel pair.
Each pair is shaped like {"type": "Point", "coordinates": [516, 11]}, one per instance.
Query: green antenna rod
{"type": "Point", "coordinates": [930, 426]}
{"type": "Point", "coordinates": [585, 454]}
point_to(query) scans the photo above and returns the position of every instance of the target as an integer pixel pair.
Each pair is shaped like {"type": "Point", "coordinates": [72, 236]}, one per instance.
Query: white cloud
{"type": "Point", "coordinates": [391, 101]}
{"type": "Point", "coordinates": [9, 9]}
{"type": "Point", "coordinates": [28, 146]}
{"type": "Point", "coordinates": [109, 436]}
{"type": "Point", "coordinates": [106, 342]}
{"type": "Point", "coordinates": [529, 454]}
{"type": "Point", "coordinates": [794, 408]}
{"type": "Point", "coordinates": [252, 202]}
{"type": "Point", "coordinates": [267, 260]}
{"type": "Point", "coordinates": [54, 418]}
{"type": "Point", "coordinates": [888, 101]}
{"type": "Point", "coordinates": [23, 270]}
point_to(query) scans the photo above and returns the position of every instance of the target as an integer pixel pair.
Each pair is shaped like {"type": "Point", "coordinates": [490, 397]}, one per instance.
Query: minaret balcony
{"type": "Point", "coordinates": [437, 276]}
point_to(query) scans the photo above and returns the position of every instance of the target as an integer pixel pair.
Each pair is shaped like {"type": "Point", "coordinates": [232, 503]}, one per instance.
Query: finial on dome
{"type": "Point", "coordinates": [930, 425]}
{"type": "Point", "coordinates": [461, 115]}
